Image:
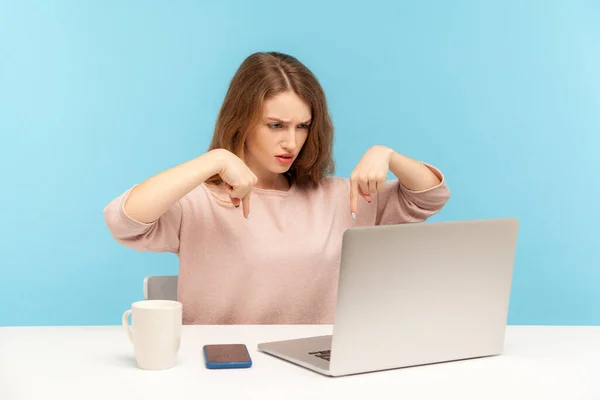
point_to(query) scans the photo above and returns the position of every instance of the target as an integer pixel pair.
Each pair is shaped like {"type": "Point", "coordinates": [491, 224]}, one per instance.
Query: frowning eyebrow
{"type": "Point", "coordinates": [287, 122]}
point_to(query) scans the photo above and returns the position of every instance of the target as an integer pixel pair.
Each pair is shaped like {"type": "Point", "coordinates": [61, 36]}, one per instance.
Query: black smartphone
{"type": "Point", "coordinates": [222, 356]}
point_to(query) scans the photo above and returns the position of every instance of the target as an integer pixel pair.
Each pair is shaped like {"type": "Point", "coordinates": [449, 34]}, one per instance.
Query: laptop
{"type": "Point", "coordinates": [414, 294]}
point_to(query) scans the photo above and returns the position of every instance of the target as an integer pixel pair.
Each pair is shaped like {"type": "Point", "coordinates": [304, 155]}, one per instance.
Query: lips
{"type": "Point", "coordinates": [285, 158]}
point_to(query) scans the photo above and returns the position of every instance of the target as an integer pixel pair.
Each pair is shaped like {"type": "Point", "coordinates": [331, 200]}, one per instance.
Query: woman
{"type": "Point", "coordinates": [275, 259]}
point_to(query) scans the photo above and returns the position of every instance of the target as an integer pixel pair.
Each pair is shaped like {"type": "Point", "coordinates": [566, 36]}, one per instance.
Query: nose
{"type": "Point", "coordinates": [289, 143]}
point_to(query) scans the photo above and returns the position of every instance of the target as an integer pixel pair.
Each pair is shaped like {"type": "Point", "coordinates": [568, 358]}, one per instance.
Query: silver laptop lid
{"type": "Point", "coordinates": [422, 293]}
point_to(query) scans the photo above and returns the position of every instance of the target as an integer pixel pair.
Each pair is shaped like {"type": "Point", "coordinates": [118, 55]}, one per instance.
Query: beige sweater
{"type": "Point", "coordinates": [278, 267]}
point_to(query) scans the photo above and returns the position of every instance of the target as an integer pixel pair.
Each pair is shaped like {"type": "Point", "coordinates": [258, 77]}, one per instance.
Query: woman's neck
{"type": "Point", "coordinates": [272, 182]}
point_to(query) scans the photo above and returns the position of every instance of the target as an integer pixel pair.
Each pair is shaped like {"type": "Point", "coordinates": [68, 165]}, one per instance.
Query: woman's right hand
{"type": "Point", "coordinates": [149, 200]}
{"type": "Point", "coordinates": [237, 178]}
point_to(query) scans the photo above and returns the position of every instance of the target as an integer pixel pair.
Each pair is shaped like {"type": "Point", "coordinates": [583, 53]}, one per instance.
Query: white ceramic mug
{"type": "Point", "coordinates": [155, 332]}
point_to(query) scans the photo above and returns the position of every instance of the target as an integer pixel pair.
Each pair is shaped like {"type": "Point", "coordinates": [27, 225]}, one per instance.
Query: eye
{"type": "Point", "coordinates": [304, 126]}
{"type": "Point", "coordinates": [275, 126]}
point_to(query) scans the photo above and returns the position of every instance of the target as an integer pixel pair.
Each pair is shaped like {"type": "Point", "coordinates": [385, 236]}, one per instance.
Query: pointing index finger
{"type": "Point", "coordinates": [246, 205]}
{"type": "Point", "coordinates": [353, 197]}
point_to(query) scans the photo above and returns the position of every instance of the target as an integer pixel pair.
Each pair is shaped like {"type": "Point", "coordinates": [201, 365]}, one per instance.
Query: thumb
{"type": "Point", "coordinates": [234, 200]}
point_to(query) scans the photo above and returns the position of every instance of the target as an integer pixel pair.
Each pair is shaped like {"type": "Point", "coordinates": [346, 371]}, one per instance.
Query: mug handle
{"type": "Point", "coordinates": [125, 322]}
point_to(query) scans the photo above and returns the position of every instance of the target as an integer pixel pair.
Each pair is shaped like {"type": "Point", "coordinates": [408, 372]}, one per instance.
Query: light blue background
{"type": "Point", "coordinates": [503, 96]}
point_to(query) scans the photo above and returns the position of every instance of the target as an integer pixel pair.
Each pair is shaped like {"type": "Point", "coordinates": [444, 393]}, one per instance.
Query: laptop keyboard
{"type": "Point", "coordinates": [324, 354]}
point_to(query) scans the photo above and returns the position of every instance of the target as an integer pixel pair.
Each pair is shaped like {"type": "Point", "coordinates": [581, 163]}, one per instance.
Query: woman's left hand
{"type": "Point", "coordinates": [369, 175]}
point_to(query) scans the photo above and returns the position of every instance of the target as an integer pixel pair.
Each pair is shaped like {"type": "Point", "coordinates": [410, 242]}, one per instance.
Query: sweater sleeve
{"type": "Point", "coordinates": [396, 204]}
{"type": "Point", "coordinates": [161, 235]}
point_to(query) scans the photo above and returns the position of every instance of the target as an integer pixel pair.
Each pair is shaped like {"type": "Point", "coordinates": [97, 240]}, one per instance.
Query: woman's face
{"type": "Point", "coordinates": [274, 144]}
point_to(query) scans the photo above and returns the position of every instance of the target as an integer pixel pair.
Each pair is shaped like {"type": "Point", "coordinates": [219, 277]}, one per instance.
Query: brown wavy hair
{"type": "Point", "coordinates": [261, 76]}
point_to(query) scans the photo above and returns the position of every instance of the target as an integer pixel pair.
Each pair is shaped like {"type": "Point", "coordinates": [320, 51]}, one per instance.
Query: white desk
{"type": "Point", "coordinates": [97, 363]}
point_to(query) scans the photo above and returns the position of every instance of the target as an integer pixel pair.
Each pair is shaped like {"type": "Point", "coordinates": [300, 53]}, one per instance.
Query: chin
{"type": "Point", "coordinates": [281, 169]}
